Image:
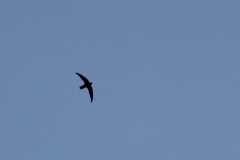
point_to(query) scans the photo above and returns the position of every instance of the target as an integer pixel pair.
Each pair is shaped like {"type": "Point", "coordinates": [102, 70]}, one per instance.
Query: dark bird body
{"type": "Point", "coordinates": [87, 85]}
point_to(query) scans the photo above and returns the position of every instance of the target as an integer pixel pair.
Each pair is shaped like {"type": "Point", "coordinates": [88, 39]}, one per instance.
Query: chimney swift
{"type": "Point", "coordinates": [86, 84]}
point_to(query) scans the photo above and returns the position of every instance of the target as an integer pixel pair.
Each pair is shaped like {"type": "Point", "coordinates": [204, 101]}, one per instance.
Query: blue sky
{"type": "Point", "coordinates": [166, 80]}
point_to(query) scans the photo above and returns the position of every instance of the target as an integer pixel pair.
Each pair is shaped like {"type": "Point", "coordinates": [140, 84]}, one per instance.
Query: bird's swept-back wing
{"type": "Point", "coordinates": [90, 90]}
{"type": "Point", "coordinates": [83, 78]}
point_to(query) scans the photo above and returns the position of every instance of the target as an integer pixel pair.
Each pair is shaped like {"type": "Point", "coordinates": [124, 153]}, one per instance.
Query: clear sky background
{"type": "Point", "coordinates": [166, 80]}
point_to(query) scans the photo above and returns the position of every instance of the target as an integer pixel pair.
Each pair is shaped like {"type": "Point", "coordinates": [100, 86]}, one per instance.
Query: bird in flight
{"type": "Point", "coordinates": [86, 84]}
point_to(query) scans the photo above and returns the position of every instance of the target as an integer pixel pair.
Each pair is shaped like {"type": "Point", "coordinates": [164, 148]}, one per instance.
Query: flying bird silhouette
{"type": "Point", "coordinates": [86, 84]}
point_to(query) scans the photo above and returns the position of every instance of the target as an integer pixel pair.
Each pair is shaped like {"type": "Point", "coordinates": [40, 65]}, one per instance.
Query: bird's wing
{"type": "Point", "coordinates": [90, 90]}
{"type": "Point", "coordinates": [83, 78]}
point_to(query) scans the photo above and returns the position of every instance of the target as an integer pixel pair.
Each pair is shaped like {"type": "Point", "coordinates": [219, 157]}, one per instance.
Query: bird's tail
{"type": "Point", "coordinates": [82, 87]}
